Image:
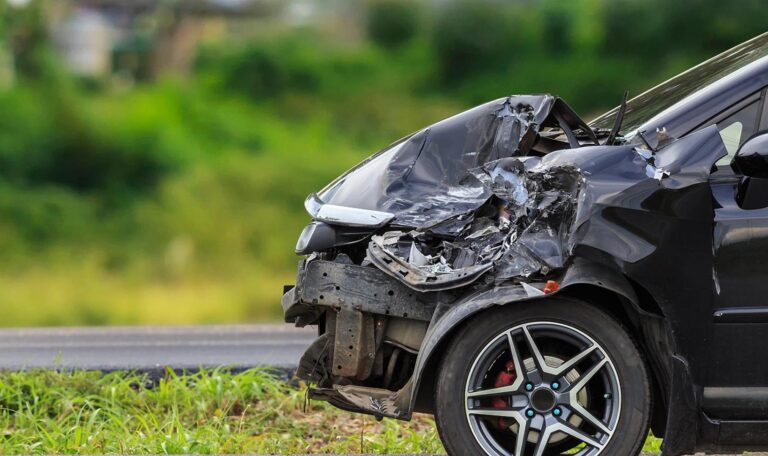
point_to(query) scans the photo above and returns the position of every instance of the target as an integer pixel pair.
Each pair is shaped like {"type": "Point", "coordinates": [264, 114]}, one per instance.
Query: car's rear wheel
{"type": "Point", "coordinates": [554, 377]}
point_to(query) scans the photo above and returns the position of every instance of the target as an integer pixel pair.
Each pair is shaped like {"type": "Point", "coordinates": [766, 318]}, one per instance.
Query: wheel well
{"type": "Point", "coordinates": [644, 322]}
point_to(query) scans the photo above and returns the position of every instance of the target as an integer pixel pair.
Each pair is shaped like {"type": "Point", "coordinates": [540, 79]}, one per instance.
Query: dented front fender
{"type": "Point", "coordinates": [447, 321]}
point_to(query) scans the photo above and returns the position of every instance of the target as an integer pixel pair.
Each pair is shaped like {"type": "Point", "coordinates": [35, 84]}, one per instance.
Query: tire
{"type": "Point", "coordinates": [587, 363]}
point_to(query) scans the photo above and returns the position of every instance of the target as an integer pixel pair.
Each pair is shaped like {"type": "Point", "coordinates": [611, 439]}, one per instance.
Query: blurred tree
{"type": "Point", "coordinates": [588, 30]}
{"type": "Point", "coordinates": [392, 23]}
{"type": "Point", "coordinates": [557, 26]}
{"type": "Point", "coordinates": [477, 37]}
{"type": "Point", "coordinates": [24, 29]}
{"type": "Point", "coordinates": [657, 32]}
{"type": "Point", "coordinates": [264, 69]}
{"type": "Point", "coordinates": [636, 29]}
{"type": "Point", "coordinates": [706, 26]}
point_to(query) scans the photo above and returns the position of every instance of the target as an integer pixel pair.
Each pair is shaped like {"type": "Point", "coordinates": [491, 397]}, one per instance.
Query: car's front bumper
{"type": "Point", "coordinates": [323, 285]}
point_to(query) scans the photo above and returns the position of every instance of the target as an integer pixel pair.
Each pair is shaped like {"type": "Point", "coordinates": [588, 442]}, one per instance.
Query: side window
{"type": "Point", "coordinates": [737, 128]}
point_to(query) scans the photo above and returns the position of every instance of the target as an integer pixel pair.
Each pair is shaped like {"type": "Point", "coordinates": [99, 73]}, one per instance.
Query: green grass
{"type": "Point", "coordinates": [209, 412]}
{"type": "Point", "coordinates": [202, 413]}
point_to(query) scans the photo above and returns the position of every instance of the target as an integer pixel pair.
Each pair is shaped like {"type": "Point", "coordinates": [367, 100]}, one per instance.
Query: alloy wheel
{"type": "Point", "coordinates": [542, 388]}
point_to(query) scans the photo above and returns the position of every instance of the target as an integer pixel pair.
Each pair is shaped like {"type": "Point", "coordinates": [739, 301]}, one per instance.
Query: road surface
{"type": "Point", "coordinates": [152, 348]}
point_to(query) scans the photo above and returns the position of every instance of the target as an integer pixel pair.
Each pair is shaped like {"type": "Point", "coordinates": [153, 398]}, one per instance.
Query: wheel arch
{"type": "Point", "coordinates": [609, 291]}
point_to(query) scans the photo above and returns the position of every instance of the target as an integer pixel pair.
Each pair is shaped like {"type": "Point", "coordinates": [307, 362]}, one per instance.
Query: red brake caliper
{"type": "Point", "coordinates": [505, 378]}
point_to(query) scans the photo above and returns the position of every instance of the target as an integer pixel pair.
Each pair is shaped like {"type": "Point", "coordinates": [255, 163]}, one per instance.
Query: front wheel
{"type": "Point", "coordinates": [552, 377]}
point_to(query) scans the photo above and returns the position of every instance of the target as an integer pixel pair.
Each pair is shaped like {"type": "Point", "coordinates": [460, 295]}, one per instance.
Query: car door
{"type": "Point", "coordinates": [737, 374]}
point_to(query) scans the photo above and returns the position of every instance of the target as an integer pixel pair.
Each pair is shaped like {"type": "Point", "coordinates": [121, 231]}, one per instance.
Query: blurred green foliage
{"type": "Point", "coordinates": [179, 200]}
{"type": "Point", "coordinates": [392, 23]}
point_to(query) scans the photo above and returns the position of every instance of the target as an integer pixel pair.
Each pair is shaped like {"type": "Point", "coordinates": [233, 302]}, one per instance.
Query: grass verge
{"type": "Point", "coordinates": [201, 413]}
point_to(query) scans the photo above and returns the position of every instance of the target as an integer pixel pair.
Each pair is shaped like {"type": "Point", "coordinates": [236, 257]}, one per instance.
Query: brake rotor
{"type": "Point", "coordinates": [507, 376]}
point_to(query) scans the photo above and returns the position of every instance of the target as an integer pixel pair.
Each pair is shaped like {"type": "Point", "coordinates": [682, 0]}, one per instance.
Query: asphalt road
{"type": "Point", "coordinates": [151, 348]}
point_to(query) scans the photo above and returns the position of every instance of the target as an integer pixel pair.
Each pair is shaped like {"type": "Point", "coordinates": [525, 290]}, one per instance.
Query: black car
{"type": "Point", "coordinates": [545, 285]}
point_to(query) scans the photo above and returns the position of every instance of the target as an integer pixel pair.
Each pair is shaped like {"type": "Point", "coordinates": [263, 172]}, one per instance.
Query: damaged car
{"type": "Point", "coordinates": [545, 285]}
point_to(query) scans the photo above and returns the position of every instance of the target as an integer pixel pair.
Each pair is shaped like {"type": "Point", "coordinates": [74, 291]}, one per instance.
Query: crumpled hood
{"type": "Point", "coordinates": [425, 179]}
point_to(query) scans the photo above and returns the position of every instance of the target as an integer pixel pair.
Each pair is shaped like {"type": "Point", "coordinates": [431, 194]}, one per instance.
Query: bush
{"type": "Point", "coordinates": [392, 23]}
{"type": "Point", "coordinates": [263, 69]}
{"type": "Point", "coordinates": [40, 217]}
{"type": "Point", "coordinates": [294, 65]}
{"type": "Point", "coordinates": [480, 37]}
{"type": "Point", "coordinates": [48, 137]}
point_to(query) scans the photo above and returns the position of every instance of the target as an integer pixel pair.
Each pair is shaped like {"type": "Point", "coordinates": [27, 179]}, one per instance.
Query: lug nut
{"type": "Point", "coordinates": [555, 385]}
{"type": "Point", "coordinates": [529, 386]}
{"type": "Point", "coordinates": [557, 411]}
{"type": "Point", "coordinates": [530, 413]}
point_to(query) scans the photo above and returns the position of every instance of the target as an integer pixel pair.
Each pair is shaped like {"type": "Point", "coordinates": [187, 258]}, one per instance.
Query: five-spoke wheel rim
{"type": "Point", "coordinates": [542, 387]}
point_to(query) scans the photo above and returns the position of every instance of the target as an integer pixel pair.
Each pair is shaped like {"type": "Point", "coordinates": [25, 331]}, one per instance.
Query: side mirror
{"type": "Point", "coordinates": [752, 157]}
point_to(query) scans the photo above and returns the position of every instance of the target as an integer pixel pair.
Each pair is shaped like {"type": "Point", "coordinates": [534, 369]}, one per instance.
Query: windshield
{"type": "Point", "coordinates": [646, 105]}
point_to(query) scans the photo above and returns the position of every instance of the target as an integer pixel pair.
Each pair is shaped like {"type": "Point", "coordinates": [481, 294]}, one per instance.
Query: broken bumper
{"type": "Point", "coordinates": [321, 285]}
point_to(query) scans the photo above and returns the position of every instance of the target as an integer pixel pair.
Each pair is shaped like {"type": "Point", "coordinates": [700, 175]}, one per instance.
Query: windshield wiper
{"type": "Point", "coordinates": [618, 121]}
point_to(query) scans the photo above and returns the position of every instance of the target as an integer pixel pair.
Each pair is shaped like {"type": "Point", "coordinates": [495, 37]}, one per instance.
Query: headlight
{"type": "Point", "coordinates": [316, 236]}
{"type": "Point", "coordinates": [304, 238]}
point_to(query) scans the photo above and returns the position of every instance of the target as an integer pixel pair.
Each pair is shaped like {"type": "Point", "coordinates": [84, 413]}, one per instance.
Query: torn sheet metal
{"type": "Point", "coordinates": [389, 253]}
{"type": "Point", "coordinates": [521, 231]}
{"type": "Point", "coordinates": [375, 401]}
